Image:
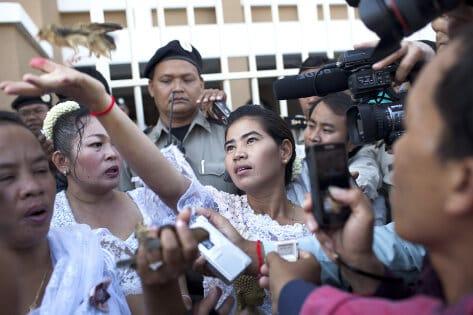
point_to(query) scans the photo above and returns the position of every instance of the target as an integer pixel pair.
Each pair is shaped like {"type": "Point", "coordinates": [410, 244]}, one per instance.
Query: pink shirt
{"type": "Point", "coordinates": [330, 301]}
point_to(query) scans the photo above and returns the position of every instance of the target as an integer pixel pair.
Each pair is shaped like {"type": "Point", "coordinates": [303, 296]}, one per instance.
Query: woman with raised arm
{"type": "Point", "coordinates": [59, 271]}
{"type": "Point", "coordinates": [259, 155]}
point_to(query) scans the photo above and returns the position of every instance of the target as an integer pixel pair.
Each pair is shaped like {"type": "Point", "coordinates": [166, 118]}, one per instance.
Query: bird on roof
{"type": "Point", "coordinates": [93, 36]}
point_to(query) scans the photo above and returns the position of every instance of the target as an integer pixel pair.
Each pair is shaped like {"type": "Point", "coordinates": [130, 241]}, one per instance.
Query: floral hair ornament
{"type": "Point", "coordinates": [53, 115]}
{"type": "Point", "coordinates": [296, 168]}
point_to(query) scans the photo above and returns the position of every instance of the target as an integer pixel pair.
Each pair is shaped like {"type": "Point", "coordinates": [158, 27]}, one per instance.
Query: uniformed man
{"type": "Point", "coordinates": [32, 110]}
{"type": "Point", "coordinates": [176, 85]}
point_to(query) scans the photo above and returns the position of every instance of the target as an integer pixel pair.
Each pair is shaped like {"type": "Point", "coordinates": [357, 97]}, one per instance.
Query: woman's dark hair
{"type": "Point", "coordinates": [453, 97]}
{"type": "Point", "coordinates": [338, 103]}
{"type": "Point", "coordinates": [66, 128]}
{"type": "Point", "coordinates": [272, 123]}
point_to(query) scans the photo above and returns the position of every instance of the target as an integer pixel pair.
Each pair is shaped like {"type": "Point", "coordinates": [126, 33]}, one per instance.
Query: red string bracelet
{"type": "Point", "coordinates": [106, 110]}
{"type": "Point", "coordinates": [260, 255]}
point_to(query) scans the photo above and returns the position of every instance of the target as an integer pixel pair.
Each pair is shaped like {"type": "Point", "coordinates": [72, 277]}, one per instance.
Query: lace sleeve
{"type": "Point", "coordinates": [154, 210]}
{"type": "Point", "coordinates": [128, 279]}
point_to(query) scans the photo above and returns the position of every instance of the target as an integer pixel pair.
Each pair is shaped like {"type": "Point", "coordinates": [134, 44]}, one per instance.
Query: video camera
{"type": "Point", "coordinates": [395, 19]}
{"type": "Point", "coordinates": [367, 122]}
{"type": "Point", "coordinates": [378, 110]}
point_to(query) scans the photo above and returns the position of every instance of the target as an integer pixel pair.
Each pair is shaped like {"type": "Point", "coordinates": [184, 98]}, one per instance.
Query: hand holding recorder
{"type": "Point", "coordinates": [351, 242]}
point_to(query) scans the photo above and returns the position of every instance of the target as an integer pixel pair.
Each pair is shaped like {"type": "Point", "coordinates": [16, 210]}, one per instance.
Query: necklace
{"type": "Point", "coordinates": [38, 293]}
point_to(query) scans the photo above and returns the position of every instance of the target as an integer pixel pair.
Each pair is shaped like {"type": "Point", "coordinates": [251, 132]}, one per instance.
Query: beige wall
{"type": "Point", "coordinates": [14, 60]}
{"type": "Point", "coordinates": [42, 12]}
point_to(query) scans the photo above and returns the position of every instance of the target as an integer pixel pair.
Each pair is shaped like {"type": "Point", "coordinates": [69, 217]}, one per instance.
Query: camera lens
{"type": "Point", "coordinates": [368, 123]}
{"type": "Point", "coordinates": [399, 18]}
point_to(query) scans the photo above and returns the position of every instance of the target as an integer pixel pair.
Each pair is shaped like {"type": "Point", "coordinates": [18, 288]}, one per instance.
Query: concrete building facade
{"type": "Point", "coordinates": [246, 44]}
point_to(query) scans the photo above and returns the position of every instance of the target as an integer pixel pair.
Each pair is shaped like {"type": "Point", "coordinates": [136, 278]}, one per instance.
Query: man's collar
{"type": "Point", "coordinates": [199, 119]}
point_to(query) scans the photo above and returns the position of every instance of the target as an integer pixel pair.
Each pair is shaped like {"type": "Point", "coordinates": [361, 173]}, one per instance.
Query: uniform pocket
{"type": "Point", "coordinates": [211, 168]}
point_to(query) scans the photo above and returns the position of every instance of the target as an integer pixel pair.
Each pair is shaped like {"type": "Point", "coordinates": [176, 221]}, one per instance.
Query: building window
{"type": "Point", "coordinates": [175, 17]}
{"type": "Point", "coordinates": [288, 13]}
{"type": "Point", "coordinates": [205, 16]}
{"type": "Point", "coordinates": [261, 14]}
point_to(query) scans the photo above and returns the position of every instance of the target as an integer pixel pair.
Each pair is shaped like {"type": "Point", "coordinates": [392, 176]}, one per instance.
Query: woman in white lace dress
{"type": "Point", "coordinates": [91, 165]}
{"type": "Point", "coordinates": [56, 269]}
{"type": "Point", "coordinates": [259, 155]}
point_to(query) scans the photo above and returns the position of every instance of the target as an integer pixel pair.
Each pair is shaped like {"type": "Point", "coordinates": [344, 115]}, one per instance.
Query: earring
{"type": "Point", "coordinates": [66, 172]}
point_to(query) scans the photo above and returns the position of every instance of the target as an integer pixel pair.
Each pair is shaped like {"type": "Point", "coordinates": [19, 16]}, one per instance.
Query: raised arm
{"type": "Point", "coordinates": [140, 153]}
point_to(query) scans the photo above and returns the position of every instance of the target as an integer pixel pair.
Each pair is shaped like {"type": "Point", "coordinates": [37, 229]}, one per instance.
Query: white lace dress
{"type": "Point", "coordinates": [120, 249]}
{"type": "Point", "coordinates": [153, 211]}
{"type": "Point", "coordinates": [237, 210]}
{"type": "Point", "coordinates": [252, 227]}
{"type": "Point", "coordinates": [80, 264]}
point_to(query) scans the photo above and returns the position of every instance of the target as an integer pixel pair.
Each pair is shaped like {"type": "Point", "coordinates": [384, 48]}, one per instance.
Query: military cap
{"type": "Point", "coordinates": [21, 101]}
{"type": "Point", "coordinates": [174, 50]}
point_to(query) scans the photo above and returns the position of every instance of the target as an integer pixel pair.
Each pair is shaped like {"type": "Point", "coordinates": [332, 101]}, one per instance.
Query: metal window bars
{"type": "Point", "coordinates": [224, 40]}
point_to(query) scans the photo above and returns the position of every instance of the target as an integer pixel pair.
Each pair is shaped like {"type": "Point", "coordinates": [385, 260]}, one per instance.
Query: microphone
{"type": "Point", "coordinates": [317, 83]}
{"type": "Point", "coordinates": [171, 112]}
{"type": "Point", "coordinates": [172, 141]}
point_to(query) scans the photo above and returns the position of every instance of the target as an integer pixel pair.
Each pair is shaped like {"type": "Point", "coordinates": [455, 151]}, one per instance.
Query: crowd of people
{"type": "Point", "coordinates": [80, 184]}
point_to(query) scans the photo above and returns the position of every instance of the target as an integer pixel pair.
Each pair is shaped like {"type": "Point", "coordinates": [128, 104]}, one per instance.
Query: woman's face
{"type": "Point", "coordinates": [27, 188]}
{"type": "Point", "coordinates": [324, 126]}
{"type": "Point", "coordinates": [252, 157]}
{"type": "Point", "coordinates": [97, 162]}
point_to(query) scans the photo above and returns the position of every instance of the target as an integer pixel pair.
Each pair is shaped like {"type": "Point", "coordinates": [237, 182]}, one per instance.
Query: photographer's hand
{"type": "Point", "coordinates": [277, 272]}
{"type": "Point", "coordinates": [408, 55]}
{"type": "Point", "coordinates": [353, 242]}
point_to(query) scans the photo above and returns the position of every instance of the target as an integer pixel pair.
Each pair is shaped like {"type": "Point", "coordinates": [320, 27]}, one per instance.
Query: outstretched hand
{"type": "Point", "coordinates": [59, 79]}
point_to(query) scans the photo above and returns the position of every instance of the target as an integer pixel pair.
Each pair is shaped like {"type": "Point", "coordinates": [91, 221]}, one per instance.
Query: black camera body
{"type": "Point", "coordinates": [368, 123]}
{"type": "Point", "coordinates": [372, 119]}
{"type": "Point", "coordinates": [393, 20]}
{"type": "Point", "coordinates": [354, 71]}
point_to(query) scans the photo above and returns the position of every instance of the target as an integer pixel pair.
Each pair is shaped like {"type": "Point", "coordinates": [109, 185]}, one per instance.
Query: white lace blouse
{"type": "Point", "coordinates": [153, 210]}
{"type": "Point", "coordinates": [252, 227]}
{"type": "Point", "coordinates": [120, 249]}
{"type": "Point", "coordinates": [236, 209]}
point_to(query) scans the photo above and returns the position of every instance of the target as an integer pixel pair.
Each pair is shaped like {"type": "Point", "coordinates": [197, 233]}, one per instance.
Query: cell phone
{"type": "Point", "coordinates": [225, 259]}
{"type": "Point", "coordinates": [328, 166]}
{"type": "Point", "coordinates": [222, 111]}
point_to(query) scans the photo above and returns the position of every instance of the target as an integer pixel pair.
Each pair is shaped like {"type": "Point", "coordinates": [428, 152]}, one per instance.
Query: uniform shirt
{"type": "Point", "coordinates": [203, 147]}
